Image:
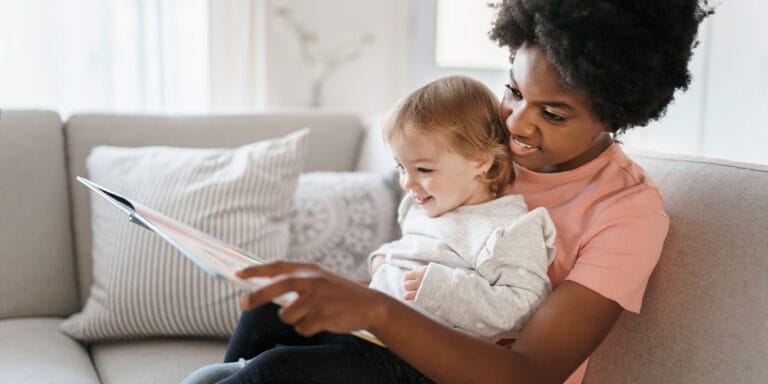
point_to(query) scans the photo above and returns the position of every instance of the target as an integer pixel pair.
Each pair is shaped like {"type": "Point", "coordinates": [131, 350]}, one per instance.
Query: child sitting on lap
{"type": "Point", "coordinates": [466, 258]}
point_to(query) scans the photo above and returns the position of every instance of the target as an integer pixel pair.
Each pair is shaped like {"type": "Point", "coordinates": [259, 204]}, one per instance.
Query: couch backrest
{"type": "Point", "coordinates": [705, 314]}
{"type": "Point", "coordinates": [37, 274]}
{"type": "Point", "coordinates": [334, 145]}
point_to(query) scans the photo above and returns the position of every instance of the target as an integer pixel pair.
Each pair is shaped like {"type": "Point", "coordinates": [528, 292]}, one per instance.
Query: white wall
{"type": "Point", "coordinates": [255, 63]}
{"type": "Point", "coordinates": [724, 114]}
{"type": "Point", "coordinates": [368, 85]}
{"type": "Point", "coordinates": [422, 51]}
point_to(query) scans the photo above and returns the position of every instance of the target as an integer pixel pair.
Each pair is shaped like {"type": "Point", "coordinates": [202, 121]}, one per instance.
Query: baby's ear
{"type": "Point", "coordinates": [483, 162]}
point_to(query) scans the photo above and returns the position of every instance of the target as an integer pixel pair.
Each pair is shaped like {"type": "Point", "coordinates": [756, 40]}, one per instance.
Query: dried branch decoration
{"type": "Point", "coordinates": [324, 61]}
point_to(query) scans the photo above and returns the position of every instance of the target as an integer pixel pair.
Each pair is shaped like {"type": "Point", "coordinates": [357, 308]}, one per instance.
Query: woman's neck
{"type": "Point", "coordinates": [601, 144]}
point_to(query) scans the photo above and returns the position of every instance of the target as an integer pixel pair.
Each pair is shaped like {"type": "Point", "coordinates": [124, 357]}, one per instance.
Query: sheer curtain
{"type": "Point", "coordinates": [149, 56]}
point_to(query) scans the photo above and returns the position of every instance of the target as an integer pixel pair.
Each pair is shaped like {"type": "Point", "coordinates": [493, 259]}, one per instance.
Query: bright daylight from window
{"type": "Point", "coordinates": [238, 56]}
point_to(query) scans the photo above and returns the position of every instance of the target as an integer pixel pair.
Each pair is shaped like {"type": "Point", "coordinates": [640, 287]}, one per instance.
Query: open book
{"type": "Point", "coordinates": [213, 256]}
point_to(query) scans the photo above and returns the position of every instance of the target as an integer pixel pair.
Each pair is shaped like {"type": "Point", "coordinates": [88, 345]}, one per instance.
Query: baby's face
{"type": "Point", "coordinates": [437, 179]}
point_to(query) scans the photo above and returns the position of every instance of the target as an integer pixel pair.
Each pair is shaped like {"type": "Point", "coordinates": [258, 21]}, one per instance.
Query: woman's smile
{"type": "Point", "coordinates": [534, 95]}
{"type": "Point", "coordinates": [519, 148]}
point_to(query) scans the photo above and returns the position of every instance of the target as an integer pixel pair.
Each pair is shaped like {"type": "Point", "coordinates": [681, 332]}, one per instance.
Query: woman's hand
{"type": "Point", "coordinates": [572, 315]}
{"type": "Point", "coordinates": [326, 301]}
{"type": "Point", "coordinates": [412, 282]}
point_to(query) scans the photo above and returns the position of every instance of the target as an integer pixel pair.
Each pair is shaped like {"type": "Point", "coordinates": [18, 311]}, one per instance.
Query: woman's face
{"type": "Point", "coordinates": [552, 127]}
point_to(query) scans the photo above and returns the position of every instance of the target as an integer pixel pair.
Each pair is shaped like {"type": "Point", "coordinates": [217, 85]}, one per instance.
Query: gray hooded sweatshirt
{"type": "Point", "coordinates": [486, 264]}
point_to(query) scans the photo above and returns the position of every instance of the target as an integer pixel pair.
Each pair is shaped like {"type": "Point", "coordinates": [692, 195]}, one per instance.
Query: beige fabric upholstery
{"type": "Point", "coordinates": [704, 318]}
{"type": "Point", "coordinates": [32, 350]}
{"type": "Point", "coordinates": [37, 277]}
{"type": "Point", "coordinates": [154, 361]}
{"type": "Point", "coordinates": [334, 143]}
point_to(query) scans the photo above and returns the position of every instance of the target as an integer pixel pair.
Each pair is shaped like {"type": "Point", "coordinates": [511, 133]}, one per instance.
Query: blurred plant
{"type": "Point", "coordinates": [324, 61]}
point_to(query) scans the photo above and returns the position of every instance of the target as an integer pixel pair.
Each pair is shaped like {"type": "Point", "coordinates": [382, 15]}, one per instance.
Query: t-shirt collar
{"type": "Point", "coordinates": [526, 175]}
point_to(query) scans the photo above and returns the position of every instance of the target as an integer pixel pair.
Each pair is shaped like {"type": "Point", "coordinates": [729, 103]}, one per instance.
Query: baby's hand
{"type": "Point", "coordinates": [376, 263]}
{"type": "Point", "coordinates": [412, 281]}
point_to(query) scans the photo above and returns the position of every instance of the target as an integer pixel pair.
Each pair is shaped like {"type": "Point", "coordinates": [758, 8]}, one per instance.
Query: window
{"type": "Point", "coordinates": [456, 47]}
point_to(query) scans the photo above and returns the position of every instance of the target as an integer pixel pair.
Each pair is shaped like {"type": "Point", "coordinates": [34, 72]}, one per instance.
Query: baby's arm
{"type": "Point", "coordinates": [378, 257]}
{"type": "Point", "coordinates": [376, 262]}
{"type": "Point", "coordinates": [509, 283]}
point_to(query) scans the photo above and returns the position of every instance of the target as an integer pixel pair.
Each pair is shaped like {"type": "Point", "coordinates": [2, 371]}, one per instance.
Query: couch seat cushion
{"type": "Point", "coordinates": [154, 361]}
{"type": "Point", "coordinates": [33, 350]}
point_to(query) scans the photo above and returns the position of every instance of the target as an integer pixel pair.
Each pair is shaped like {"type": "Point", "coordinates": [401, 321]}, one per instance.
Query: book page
{"type": "Point", "coordinates": [214, 256]}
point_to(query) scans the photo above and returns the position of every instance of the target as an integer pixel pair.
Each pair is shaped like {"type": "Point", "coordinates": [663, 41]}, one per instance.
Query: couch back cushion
{"type": "Point", "coordinates": [704, 315]}
{"type": "Point", "coordinates": [334, 144]}
{"type": "Point", "coordinates": [37, 276]}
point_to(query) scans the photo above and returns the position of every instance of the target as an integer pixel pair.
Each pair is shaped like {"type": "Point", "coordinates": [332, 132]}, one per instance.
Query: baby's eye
{"type": "Point", "coordinates": [552, 117]}
{"type": "Point", "coordinates": [423, 170]}
{"type": "Point", "coordinates": [399, 167]}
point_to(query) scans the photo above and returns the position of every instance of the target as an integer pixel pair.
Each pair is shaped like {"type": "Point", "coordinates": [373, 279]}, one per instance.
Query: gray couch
{"type": "Point", "coordinates": [703, 320]}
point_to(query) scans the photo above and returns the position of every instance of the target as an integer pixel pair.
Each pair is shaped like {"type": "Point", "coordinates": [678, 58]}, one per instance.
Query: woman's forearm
{"type": "Point", "coordinates": [443, 354]}
{"type": "Point", "coordinates": [563, 332]}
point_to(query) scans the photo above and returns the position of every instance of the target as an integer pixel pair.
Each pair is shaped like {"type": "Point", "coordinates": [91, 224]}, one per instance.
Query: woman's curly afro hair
{"type": "Point", "coordinates": [627, 57]}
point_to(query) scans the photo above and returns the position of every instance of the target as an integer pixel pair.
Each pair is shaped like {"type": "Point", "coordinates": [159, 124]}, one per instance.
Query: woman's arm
{"type": "Point", "coordinates": [562, 333]}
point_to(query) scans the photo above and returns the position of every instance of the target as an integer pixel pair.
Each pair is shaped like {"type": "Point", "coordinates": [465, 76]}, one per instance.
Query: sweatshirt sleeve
{"type": "Point", "coordinates": [406, 204]}
{"type": "Point", "coordinates": [509, 282]}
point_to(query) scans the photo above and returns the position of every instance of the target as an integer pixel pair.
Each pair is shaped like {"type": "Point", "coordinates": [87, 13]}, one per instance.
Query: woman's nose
{"type": "Point", "coordinates": [516, 118]}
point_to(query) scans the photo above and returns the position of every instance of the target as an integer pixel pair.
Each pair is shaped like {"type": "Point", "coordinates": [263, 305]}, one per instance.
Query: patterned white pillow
{"type": "Point", "coordinates": [338, 218]}
{"type": "Point", "coordinates": [142, 286]}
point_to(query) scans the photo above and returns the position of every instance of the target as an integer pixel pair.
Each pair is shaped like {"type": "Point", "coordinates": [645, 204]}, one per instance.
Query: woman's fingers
{"type": "Point", "coordinates": [295, 282]}
{"type": "Point", "coordinates": [325, 301]}
{"type": "Point", "coordinates": [311, 324]}
{"type": "Point", "coordinates": [294, 312]}
{"type": "Point", "coordinates": [273, 269]}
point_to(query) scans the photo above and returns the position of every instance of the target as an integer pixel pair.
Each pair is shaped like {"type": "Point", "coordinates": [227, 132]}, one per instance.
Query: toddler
{"type": "Point", "coordinates": [467, 257]}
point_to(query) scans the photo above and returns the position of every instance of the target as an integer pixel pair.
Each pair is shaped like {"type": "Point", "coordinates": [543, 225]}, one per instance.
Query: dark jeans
{"type": "Point", "coordinates": [280, 355]}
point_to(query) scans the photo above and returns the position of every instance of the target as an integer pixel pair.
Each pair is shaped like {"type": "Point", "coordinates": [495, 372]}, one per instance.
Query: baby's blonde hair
{"type": "Point", "coordinates": [463, 111]}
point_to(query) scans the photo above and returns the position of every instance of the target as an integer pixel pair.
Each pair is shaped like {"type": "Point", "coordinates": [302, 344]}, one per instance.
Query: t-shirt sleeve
{"type": "Point", "coordinates": [622, 247]}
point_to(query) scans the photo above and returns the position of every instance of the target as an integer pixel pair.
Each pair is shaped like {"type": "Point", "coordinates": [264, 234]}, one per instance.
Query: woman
{"type": "Point", "coordinates": [582, 72]}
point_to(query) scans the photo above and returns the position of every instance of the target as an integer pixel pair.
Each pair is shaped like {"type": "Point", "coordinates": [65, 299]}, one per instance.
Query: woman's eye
{"type": "Point", "coordinates": [552, 117]}
{"type": "Point", "coordinates": [514, 91]}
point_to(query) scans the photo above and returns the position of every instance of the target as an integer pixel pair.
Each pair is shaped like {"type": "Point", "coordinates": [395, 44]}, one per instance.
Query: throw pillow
{"type": "Point", "coordinates": [338, 218]}
{"type": "Point", "coordinates": [145, 288]}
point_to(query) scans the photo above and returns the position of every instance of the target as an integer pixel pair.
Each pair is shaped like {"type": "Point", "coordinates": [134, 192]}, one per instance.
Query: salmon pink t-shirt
{"type": "Point", "coordinates": [610, 226]}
